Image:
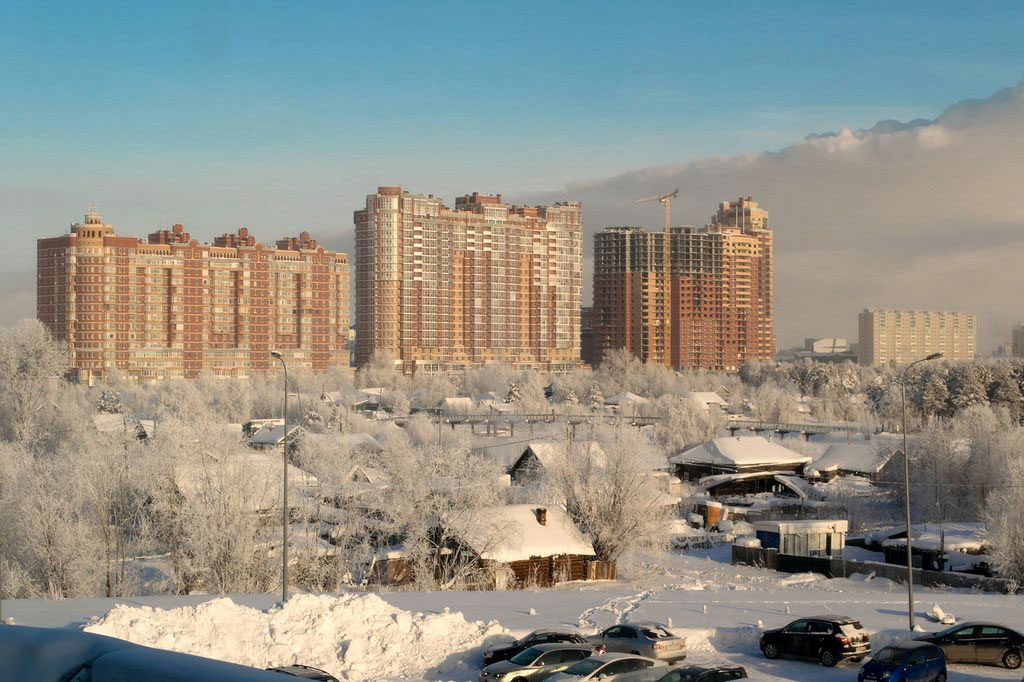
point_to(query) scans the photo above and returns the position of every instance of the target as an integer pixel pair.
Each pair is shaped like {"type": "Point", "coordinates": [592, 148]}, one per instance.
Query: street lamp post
{"type": "Point", "coordinates": [906, 488]}
{"type": "Point", "coordinates": [284, 505]}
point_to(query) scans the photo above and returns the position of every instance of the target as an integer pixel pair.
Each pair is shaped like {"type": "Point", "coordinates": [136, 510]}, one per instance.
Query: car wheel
{"type": "Point", "coordinates": [827, 658]}
{"type": "Point", "coordinates": [941, 677]}
{"type": "Point", "coordinates": [770, 650]}
{"type": "Point", "coordinates": [518, 679]}
{"type": "Point", "coordinates": [1012, 659]}
{"type": "Point", "coordinates": [858, 659]}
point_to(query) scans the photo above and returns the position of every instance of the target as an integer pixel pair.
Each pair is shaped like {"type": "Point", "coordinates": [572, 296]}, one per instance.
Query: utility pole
{"type": "Point", "coordinates": [906, 491]}
{"type": "Point", "coordinates": [284, 497]}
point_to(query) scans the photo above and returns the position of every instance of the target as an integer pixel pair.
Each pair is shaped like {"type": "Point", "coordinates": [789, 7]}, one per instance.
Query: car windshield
{"type": "Point", "coordinates": [584, 667]}
{"type": "Point", "coordinates": [526, 656]}
{"type": "Point", "coordinates": [890, 654]}
{"type": "Point", "coordinates": [656, 633]}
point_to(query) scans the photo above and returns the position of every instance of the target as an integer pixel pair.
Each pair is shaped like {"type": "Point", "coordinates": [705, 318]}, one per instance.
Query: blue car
{"type": "Point", "coordinates": [904, 662]}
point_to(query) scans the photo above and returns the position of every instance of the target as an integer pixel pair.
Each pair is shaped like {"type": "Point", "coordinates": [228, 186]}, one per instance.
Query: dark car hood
{"type": "Point", "coordinates": [773, 631]}
{"type": "Point", "coordinates": [502, 667]}
{"type": "Point", "coordinates": [927, 638]}
{"type": "Point", "coordinates": [502, 648]}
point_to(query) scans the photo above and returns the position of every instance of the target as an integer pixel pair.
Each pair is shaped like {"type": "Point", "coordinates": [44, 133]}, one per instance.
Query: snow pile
{"type": "Point", "coordinates": [352, 636]}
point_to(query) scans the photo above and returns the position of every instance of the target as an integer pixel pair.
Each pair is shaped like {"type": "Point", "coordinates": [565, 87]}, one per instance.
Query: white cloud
{"type": "Point", "coordinates": [923, 214]}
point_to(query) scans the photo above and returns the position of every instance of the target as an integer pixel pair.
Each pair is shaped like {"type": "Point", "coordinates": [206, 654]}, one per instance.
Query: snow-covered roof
{"type": "Point", "coordinates": [513, 533]}
{"type": "Point", "coordinates": [366, 474]}
{"type": "Point", "coordinates": [458, 405]}
{"type": "Point", "coordinates": [360, 441]}
{"type": "Point", "coordinates": [739, 451]}
{"type": "Point", "coordinates": [799, 486]}
{"type": "Point", "coordinates": [959, 537]}
{"type": "Point", "coordinates": [863, 458]}
{"type": "Point", "coordinates": [708, 398]}
{"type": "Point", "coordinates": [626, 398]}
{"type": "Point", "coordinates": [272, 434]}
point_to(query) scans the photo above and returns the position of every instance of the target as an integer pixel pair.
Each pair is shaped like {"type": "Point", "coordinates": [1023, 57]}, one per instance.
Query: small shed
{"type": "Point", "coordinates": [736, 454]}
{"type": "Point", "coordinates": [272, 435]}
{"type": "Point", "coordinates": [803, 538]}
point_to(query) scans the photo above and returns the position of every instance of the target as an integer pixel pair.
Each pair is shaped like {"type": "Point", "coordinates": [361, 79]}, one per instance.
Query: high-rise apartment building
{"type": "Point", "coordinates": [444, 288]}
{"type": "Point", "coordinates": [171, 307]}
{"type": "Point", "coordinates": [1017, 343]}
{"type": "Point", "coordinates": [902, 336]}
{"type": "Point", "coordinates": [690, 297]}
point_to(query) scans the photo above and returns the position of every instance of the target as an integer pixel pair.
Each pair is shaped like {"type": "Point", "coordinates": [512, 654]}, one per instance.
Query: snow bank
{"type": "Point", "coordinates": [352, 636]}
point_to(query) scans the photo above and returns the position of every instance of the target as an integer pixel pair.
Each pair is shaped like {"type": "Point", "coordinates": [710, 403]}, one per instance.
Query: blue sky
{"type": "Point", "coordinates": [521, 96]}
{"type": "Point", "coordinates": [282, 115]}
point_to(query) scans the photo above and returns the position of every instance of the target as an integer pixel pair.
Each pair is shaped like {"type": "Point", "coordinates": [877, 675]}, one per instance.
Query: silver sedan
{"type": "Point", "coordinates": [642, 639]}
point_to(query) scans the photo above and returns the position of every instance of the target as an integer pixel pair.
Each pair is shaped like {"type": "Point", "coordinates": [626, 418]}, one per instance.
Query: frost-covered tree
{"type": "Point", "coordinates": [966, 387]}
{"type": "Point", "coordinates": [32, 367]}
{"type": "Point", "coordinates": [594, 398]}
{"type": "Point", "coordinates": [109, 402]}
{"type": "Point", "coordinates": [1004, 524]}
{"type": "Point", "coordinates": [608, 497]}
{"type": "Point", "coordinates": [513, 395]}
{"type": "Point", "coordinates": [682, 422]}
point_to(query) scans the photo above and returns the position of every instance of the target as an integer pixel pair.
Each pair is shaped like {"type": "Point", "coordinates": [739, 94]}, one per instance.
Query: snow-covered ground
{"type": "Point", "coordinates": [719, 608]}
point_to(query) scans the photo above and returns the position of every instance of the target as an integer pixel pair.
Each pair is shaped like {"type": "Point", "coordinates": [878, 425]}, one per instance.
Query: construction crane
{"type": "Point", "coordinates": [666, 201]}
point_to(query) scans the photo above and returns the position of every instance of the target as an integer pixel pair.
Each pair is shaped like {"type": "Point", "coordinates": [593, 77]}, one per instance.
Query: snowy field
{"type": "Point", "coordinates": [717, 607]}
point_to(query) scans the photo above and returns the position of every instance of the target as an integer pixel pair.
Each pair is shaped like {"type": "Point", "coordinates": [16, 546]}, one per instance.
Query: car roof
{"type": "Point", "coordinates": [560, 629]}
{"type": "Point", "coordinates": [644, 624]}
{"type": "Point", "coordinates": [548, 646]}
{"type": "Point", "coordinates": [984, 623]}
{"type": "Point", "coordinates": [911, 644]}
{"type": "Point", "coordinates": [832, 618]}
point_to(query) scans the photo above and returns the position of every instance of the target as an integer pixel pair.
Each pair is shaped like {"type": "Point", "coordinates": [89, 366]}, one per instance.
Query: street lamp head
{"type": "Point", "coordinates": [277, 354]}
{"type": "Point", "coordinates": [934, 356]}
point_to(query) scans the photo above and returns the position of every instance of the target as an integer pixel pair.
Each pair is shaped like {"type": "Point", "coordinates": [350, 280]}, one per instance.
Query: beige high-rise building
{"type": "Point", "coordinates": [1017, 344]}
{"type": "Point", "coordinates": [171, 307]}
{"type": "Point", "coordinates": [902, 336]}
{"type": "Point", "coordinates": [487, 281]}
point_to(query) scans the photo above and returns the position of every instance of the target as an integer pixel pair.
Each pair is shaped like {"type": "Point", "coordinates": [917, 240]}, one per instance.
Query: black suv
{"type": "Point", "coordinates": [503, 652]}
{"type": "Point", "coordinates": [829, 639]}
{"type": "Point", "coordinates": [979, 643]}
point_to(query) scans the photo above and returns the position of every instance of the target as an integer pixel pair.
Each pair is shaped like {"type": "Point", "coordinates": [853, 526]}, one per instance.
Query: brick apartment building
{"type": "Point", "coordinates": [171, 307]}
{"type": "Point", "coordinates": [487, 281]}
{"type": "Point", "coordinates": [902, 336]}
{"type": "Point", "coordinates": [690, 297]}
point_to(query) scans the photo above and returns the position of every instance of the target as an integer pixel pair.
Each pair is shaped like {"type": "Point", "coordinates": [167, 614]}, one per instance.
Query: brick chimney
{"type": "Point", "coordinates": [542, 515]}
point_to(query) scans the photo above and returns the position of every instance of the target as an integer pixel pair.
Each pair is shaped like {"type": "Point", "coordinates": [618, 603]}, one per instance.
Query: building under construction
{"type": "Point", "coordinates": [687, 297]}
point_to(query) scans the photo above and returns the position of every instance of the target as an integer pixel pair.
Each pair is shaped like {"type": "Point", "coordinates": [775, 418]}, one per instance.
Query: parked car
{"type": "Point", "coordinates": [688, 673]}
{"type": "Point", "coordinates": [979, 643]}
{"type": "Point", "coordinates": [829, 639]}
{"type": "Point", "coordinates": [305, 672]}
{"type": "Point", "coordinates": [606, 667]}
{"type": "Point", "coordinates": [642, 639]}
{"type": "Point", "coordinates": [536, 662]}
{"type": "Point", "coordinates": [503, 652]}
{"type": "Point", "coordinates": [908, 660]}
